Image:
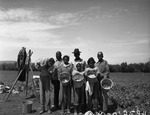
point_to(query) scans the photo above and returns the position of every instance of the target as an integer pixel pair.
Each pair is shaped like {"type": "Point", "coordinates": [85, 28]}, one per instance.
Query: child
{"type": "Point", "coordinates": [79, 88]}
{"type": "Point", "coordinates": [91, 73]}
{"type": "Point", "coordinates": [77, 60]}
{"type": "Point", "coordinates": [65, 72]}
{"type": "Point", "coordinates": [46, 67]}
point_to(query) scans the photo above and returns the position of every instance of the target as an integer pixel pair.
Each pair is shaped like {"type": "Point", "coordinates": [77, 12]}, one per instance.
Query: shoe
{"type": "Point", "coordinates": [54, 108]}
{"type": "Point", "coordinates": [68, 111]}
{"type": "Point", "coordinates": [42, 111]}
{"type": "Point", "coordinates": [96, 113]}
{"type": "Point", "coordinates": [49, 111]}
{"type": "Point", "coordinates": [80, 113]}
{"type": "Point", "coordinates": [75, 113]}
{"type": "Point", "coordinates": [62, 112]}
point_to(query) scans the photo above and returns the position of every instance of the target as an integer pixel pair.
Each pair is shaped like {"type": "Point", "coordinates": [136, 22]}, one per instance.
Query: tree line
{"type": "Point", "coordinates": [123, 67]}
{"type": "Point", "coordinates": [132, 67]}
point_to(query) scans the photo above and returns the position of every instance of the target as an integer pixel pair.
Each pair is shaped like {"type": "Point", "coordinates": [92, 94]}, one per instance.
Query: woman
{"type": "Point", "coordinates": [46, 67]}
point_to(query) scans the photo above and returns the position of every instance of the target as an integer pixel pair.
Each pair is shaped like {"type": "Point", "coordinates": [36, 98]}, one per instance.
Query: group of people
{"type": "Point", "coordinates": [80, 82]}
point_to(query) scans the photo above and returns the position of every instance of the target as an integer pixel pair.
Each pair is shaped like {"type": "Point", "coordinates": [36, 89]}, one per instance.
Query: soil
{"type": "Point", "coordinates": [13, 106]}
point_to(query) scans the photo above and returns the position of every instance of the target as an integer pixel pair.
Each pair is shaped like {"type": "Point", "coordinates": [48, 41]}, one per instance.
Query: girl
{"type": "Point", "coordinates": [91, 73]}
{"type": "Point", "coordinates": [65, 72]}
{"type": "Point", "coordinates": [79, 88]}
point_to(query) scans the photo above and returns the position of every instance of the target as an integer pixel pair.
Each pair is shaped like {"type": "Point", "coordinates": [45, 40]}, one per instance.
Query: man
{"type": "Point", "coordinates": [104, 73]}
{"type": "Point", "coordinates": [78, 60]}
{"type": "Point", "coordinates": [55, 80]}
{"type": "Point", "coordinates": [46, 67]}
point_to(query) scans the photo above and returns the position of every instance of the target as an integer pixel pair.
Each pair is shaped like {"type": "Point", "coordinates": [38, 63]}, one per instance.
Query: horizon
{"type": "Point", "coordinates": [118, 28]}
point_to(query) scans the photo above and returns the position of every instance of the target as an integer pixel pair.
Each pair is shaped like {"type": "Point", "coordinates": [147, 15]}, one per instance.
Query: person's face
{"type": "Point", "coordinates": [99, 56]}
{"type": "Point", "coordinates": [66, 60]}
{"type": "Point", "coordinates": [50, 63]}
{"type": "Point", "coordinates": [58, 55]}
{"type": "Point", "coordinates": [78, 67]}
{"type": "Point", "coordinates": [91, 64]}
{"type": "Point", "coordinates": [77, 55]}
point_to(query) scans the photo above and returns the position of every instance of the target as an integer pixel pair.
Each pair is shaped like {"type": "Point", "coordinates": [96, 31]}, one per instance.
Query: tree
{"type": "Point", "coordinates": [124, 67]}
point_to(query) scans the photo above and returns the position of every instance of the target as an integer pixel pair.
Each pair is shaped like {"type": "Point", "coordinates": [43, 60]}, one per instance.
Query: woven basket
{"type": "Point", "coordinates": [92, 79]}
{"type": "Point", "coordinates": [64, 78]}
{"type": "Point", "coordinates": [106, 83]}
{"type": "Point", "coordinates": [78, 80]}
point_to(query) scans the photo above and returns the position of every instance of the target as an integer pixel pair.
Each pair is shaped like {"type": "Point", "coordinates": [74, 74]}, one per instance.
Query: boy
{"type": "Point", "coordinates": [55, 80]}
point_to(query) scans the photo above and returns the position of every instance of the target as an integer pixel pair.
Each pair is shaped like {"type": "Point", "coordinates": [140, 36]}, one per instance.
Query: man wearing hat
{"type": "Point", "coordinates": [104, 73]}
{"type": "Point", "coordinates": [80, 61]}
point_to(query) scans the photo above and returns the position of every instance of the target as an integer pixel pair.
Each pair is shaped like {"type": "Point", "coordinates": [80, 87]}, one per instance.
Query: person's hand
{"type": "Point", "coordinates": [50, 72]}
{"type": "Point", "coordinates": [105, 76]}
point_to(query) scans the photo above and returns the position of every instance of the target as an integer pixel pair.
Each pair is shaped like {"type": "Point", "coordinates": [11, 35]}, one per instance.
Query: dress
{"type": "Point", "coordinates": [92, 90]}
{"type": "Point", "coordinates": [80, 94]}
{"type": "Point", "coordinates": [66, 89]}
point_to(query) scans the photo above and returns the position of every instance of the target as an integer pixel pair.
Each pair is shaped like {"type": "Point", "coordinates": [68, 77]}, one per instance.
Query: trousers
{"type": "Point", "coordinates": [44, 84]}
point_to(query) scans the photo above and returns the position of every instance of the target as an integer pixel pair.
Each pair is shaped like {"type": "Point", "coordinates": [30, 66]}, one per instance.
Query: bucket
{"type": "Point", "coordinates": [106, 84]}
{"type": "Point", "coordinates": [64, 78]}
{"type": "Point", "coordinates": [27, 106]}
{"type": "Point", "coordinates": [78, 80]}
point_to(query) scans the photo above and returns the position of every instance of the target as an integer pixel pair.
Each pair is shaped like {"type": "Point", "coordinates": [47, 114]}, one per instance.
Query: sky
{"type": "Point", "coordinates": [118, 28]}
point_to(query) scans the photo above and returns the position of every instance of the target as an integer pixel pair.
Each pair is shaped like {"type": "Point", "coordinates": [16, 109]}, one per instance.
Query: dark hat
{"type": "Point", "coordinates": [76, 51]}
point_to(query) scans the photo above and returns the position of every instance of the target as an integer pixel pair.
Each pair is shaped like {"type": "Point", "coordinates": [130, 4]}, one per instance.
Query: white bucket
{"type": "Point", "coordinates": [27, 106]}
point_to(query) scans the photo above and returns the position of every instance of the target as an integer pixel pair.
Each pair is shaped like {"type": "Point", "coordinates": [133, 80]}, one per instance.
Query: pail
{"type": "Point", "coordinates": [27, 106]}
{"type": "Point", "coordinates": [78, 80]}
{"type": "Point", "coordinates": [64, 78]}
{"type": "Point", "coordinates": [106, 84]}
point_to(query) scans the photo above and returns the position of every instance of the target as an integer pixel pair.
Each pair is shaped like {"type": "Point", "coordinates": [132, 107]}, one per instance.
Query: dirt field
{"type": "Point", "coordinates": [13, 106]}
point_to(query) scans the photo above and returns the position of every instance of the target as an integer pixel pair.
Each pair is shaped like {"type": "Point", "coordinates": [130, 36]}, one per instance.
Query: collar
{"type": "Point", "coordinates": [100, 61]}
{"type": "Point", "coordinates": [79, 60]}
{"type": "Point", "coordinates": [59, 60]}
{"type": "Point", "coordinates": [66, 65]}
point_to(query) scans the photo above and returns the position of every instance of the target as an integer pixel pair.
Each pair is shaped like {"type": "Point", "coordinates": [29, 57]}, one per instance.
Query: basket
{"type": "Point", "coordinates": [78, 80]}
{"type": "Point", "coordinates": [106, 83]}
{"type": "Point", "coordinates": [92, 79]}
{"type": "Point", "coordinates": [64, 78]}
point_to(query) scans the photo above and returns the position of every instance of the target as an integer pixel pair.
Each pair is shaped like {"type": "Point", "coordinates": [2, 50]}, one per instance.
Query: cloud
{"type": "Point", "coordinates": [64, 18]}
{"type": "Point", "coordinates": [19, 14]}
